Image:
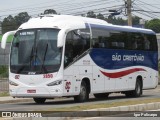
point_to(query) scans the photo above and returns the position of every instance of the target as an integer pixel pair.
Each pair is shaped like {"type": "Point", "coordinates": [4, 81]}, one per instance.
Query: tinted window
{"type": "Point", "coordinates": [110, 39]}
{"type": "Point", "coordinates": [77, 42]}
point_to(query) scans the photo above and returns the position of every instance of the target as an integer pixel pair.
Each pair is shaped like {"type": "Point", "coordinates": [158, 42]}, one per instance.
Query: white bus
{"type": "Point", "coordinates": [70, 56]}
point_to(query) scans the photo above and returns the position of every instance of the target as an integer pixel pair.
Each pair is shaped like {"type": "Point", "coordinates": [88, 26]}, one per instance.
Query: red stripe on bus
{"type": "Point", "coordinates": [121, 73]}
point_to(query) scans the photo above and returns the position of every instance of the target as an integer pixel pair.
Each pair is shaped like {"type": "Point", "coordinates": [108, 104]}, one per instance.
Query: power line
{"type": "Point", "coordinates": [148, 4]}
{"type": "Point", "coordinates": [61, 6]}
{"type": "Point", "coordinates": [147, 12]}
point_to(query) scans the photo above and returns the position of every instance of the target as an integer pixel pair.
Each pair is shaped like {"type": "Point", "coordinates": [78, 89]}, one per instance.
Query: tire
{"type": "Point", "coordinates": [39, 100]}
{"type": "Point", "coordinates": [101, 95]}
{"type": "Point", "coordinates": [138, 89]}
{"type": "Point", "coordinates": [83, 95]}
{"type": "Point", "coordinates": [137, 92]}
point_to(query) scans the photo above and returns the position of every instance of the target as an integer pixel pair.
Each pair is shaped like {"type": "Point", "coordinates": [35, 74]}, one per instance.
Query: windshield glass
{"type": "Point", "coordinates": [35, 51]}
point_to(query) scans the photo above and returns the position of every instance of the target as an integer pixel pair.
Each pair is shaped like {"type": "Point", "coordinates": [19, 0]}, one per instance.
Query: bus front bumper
{"type": "Point", "coordinates": [31, 92]}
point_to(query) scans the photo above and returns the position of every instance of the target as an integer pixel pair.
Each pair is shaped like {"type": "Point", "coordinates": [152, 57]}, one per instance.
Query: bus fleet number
{"type": "Point", "coordinates": [47, 76]}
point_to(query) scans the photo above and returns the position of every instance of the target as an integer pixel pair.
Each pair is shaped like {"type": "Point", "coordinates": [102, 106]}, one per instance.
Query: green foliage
{"type": "Point", "coordinates": [91, 14]}
{"type": "Point", "coordinates": [12, 23]}
{"type": "Point", "coordinates": [100, 16]}
{"type": "Point", "coordinates": [0, 37]}
{"type": "Point", "coordinates": [3, 71]}
{"type": "Point", "coordinates": [116, 21]}
{"type": "Point", "coordinates": [8, 24]}
{"type": "Point", "coordinates": [3, 94]}
{"type": "Point", "coordinates": [50, 11]}
{"type": "Point", "coordinates": [21, 18]}
{"type": "Point", "coordinates": [9, 38]}
{"type": "Point", "coordinates": [112, 19]}
{"type": "Point", "coordinates": [153, 24]}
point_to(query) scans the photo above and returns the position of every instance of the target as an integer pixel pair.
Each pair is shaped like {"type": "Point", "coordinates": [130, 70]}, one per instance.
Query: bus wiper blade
{"type": "Point", "coordinates": [44, 58]}
{"type": "Point", "coordinates": [31, 56]}
{"type": "Point", "coordinates": [20, 69]}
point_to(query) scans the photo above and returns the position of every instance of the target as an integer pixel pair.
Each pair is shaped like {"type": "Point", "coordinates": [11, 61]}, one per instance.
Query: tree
{"type": "Point", "coordinates": [135, 20]}
{"type": "Point", "coordinates": [50, 11]}
{"type": "Point", "coordinates": [8, 24]}
{"type": "Point", "coordinates": [100, 16]}
{"type": "Point", "coordinates": [91, 14]}
{"type": "Point", "coordinates": [116, 21]}
{"type": "Point", "coordinates": [153, 24]}
{"type": "Point", "coordinates": [21, 18]}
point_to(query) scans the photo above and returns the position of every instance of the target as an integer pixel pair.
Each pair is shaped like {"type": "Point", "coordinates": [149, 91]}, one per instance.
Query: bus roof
{"type": "Point", "coordinates": [123, 28]}
{"type": "Point", "coordinates": [76, 22]}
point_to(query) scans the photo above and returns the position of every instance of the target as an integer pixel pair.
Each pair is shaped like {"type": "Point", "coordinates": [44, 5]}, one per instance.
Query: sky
{"type": "Point", "coordinates": [77, 7]}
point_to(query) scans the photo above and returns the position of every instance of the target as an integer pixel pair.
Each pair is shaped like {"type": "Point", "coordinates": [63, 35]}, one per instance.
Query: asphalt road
{"type": "Point", "coordinates": [68, 102]}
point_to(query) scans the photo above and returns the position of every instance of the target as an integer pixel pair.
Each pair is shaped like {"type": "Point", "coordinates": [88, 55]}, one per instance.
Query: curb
{"type": "Point", "coordinates": [16, 100]}
{"type": "Point", "coordinates": [101, 112]}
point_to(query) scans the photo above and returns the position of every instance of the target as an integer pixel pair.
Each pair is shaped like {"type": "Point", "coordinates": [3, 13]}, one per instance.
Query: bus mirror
{"type": "Point", "coordinates": [61, 37]}
{"type": "Point", "coordinates": [4, 38]}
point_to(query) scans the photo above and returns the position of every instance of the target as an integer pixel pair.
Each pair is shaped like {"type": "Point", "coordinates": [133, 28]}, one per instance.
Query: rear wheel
{"type": "Point", "coordinates": [39, 100]}
{"type": "Point", "coordinates": [137, 92]}
{"type": "Point", "coordinates": [84, 94]}
{"type": "Point", "coordinates": [138, 89]}
{"type": "Point", "coordinates": [101, 95]}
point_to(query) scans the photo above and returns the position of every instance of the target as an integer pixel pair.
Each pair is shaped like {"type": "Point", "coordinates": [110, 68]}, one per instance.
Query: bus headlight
{"type": "Point", "coordinates": [58, 82]}
{"type": "Point", "coordinates": [13, 83]}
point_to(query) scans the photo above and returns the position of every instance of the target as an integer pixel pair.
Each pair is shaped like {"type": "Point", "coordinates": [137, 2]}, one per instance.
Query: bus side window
{"type": "Point", "coordinates": [152, 42]}
{"type": "Point", "coordinates": [146, 43]}
{"type": "Point", "coordinates": [137, 41]}
{"type": "Point", "coordinates": [100, 38]}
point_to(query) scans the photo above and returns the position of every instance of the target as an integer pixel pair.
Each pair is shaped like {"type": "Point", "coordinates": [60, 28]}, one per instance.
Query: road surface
{"type": "Point", "coordinates": [69, 102]}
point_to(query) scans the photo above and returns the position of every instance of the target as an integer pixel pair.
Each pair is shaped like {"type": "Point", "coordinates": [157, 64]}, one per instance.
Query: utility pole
{"type": "Point", "coordinates": [129, 12]}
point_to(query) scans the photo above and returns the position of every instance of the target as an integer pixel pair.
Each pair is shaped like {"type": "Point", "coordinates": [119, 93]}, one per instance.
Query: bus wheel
{"type": "Point", "coordinates": [138, 89]}
{"type": "Point", "coordinates": [101, 95]}
{"type": "Point", "coordinates": [84, 95]}
{"type": "Point", "coordinates": [137, 92]}
{"type": "Point", "coordinates": [39, 100]}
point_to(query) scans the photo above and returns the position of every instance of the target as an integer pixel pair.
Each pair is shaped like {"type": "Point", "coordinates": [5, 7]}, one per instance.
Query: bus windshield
{"type": "Point", "coordinates": [35, 51]}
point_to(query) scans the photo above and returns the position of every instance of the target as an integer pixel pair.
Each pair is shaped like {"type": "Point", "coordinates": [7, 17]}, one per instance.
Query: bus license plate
{"type": "Point", "coordinates": [31, 91]}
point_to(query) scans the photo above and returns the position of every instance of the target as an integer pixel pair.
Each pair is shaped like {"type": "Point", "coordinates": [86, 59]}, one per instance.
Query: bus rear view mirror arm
{"type": "Point", "coordinates": [4, 38]}
{"type": "Point", "coordinates": [62, 36]}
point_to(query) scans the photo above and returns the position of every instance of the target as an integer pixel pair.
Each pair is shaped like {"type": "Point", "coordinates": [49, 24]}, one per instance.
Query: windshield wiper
{"type": "Point", "coordinates": [20, 69]}
{"type": "Point", "coordinates": [31, 56]}
{"type": "Point", "coordinates": [44, 58]}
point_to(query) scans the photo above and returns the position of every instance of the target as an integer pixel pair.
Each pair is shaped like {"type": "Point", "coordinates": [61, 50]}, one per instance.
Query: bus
{"type": "Point", "coordinates": [71, 56]}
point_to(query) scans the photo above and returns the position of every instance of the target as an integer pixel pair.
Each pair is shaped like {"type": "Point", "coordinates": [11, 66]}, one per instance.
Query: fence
{"type": "Point", "coordinates": [4, 54]}
{"type": "Point", "coordinates": [4, 85]}
{"type": "Point", "coordinates": [4, 60]}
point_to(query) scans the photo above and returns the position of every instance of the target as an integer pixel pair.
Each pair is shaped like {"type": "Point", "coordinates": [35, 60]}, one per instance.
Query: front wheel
{"type": "Point", "coordinates": [83, 95]}
{"type": "Point", "coordinates": [39, 100]}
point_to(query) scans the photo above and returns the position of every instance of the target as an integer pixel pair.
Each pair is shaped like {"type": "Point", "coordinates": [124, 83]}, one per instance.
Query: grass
{"type": "Point", "coordinates": [3, 94]}
{"type": "Point", "coordinates": [9, 38]}
{"type": "Point", "coordinates": [3, 71]}
{"type": "Point", "coordinates": [105, 105]}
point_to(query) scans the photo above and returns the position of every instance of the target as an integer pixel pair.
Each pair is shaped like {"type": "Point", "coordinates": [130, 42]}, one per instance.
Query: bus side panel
{"type": "Point", "coordinates": [68, 81]}
{"type": "Point", "coordinates": [124, 66]}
